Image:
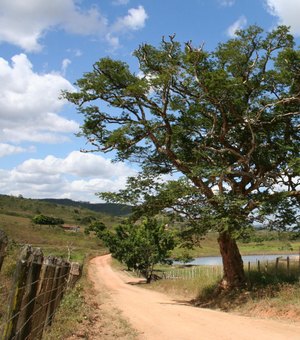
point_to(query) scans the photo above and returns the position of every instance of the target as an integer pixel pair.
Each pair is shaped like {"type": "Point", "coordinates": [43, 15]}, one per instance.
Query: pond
{"type": "Point", "coordinates": [217, 260]}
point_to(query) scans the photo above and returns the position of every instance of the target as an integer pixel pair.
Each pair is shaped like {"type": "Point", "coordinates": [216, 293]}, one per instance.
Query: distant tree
{"type": "Point", "coordinates": [87, 219]}
{"type": "Point", "coordinates": [47, 220]}
{"type": "Point", "coordinates": [140, 246]}
{"type": "Point", "coordinates": [227, 121]}
{"type": "Point", "coordinates": [97, 227]}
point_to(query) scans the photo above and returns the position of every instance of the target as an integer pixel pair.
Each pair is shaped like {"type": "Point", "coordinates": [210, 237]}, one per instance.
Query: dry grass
{"type": "Point", "coordinates": [275, 294]}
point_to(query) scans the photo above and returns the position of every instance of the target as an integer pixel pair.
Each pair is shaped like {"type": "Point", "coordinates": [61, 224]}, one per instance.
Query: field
{"type": "Point", "coordinates": [266, 243]}
{"type": "Point", "coordinates": [279, 298]}
{"type": "Point", "coordinates": [16, 221]}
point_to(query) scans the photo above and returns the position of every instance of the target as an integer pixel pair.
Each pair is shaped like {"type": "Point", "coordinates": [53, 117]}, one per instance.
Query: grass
{"type": "Point", "coordinates": [272, 294]}
{"type": "Point", "coordinates": [209, 246]}
{"type": "Point", "coordinates": [79, 311]}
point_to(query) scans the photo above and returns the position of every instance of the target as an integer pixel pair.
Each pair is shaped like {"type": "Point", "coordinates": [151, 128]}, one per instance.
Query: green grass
{"type": "Point", "coordinates": [16, 221]}
{"type": "Point", "coordinates": [209, 246]}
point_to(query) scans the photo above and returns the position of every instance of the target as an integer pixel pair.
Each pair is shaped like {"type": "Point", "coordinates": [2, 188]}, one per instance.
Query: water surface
{"type": "Point", "coordinates": [217, 260]}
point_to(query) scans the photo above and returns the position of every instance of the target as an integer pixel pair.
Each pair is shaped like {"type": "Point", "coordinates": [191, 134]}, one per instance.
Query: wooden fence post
{"type": "Point", "coordinates": [266, 266]}
{"type": "Point", "coordinates": [3, 245]}
{"type": "Point", "coordinates": [25, 319]}
{"type": "Point", "coordinates": [54, 289]}
{"type": "Point", "coordinates": [43, 298]}
{"type": "Point", "coordinates": [75, 274]}
{"type": "Point", "coordinates": [62, 282]}
{"type": "Point", "coordinates": [276, 265]}
{"type": "Point", "coordinates": [17, 294]}
{"type": "Point", "coordinates": [288, 265]}
{"type": "Point", "coordinates": [59, 283]}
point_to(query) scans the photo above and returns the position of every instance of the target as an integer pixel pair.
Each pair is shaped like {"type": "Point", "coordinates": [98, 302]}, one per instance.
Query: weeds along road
{"type": "Point", "coordinates": [158, 317]}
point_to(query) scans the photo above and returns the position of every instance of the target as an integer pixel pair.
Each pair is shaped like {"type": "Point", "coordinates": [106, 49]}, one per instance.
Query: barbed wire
{"type": "Point", "coordinates": [39, 298]}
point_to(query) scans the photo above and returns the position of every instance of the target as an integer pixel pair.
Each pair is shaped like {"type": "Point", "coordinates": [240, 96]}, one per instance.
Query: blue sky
{"type": "Point", "coordinates": [46, 45]}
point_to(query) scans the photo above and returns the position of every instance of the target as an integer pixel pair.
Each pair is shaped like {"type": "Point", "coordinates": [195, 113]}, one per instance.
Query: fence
{"type": "Point", "coordinates": [193, 272]}
{"type": "Point", "coordinates": [38, 286]}
{"type": "Point", "coordinates": [285, 264]}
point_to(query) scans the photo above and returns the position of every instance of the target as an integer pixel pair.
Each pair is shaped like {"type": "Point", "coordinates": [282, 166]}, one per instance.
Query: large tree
{"type": "Point", "coordinates": [226, 121]}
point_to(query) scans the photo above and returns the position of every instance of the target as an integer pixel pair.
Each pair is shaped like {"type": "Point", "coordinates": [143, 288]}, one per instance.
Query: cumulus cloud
{"type": "Point", "coordinates": [240, 23]}
{"type": "Point", "coordinates": [78, 176]}
{"type": "Point", "coordinates": [287, 13]}
{"type": "Point", "coordinates": [25, 25]}
{"type": "Point", "coordinates": [9, 149]}
{"type": "Point", "coordinates": [30, 103]}
{"type": "Point", "coordinates": [133, 21]}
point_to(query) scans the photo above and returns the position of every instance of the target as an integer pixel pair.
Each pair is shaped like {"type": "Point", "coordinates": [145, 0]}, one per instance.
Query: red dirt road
{"type": "Point", "coordinates": [157, 317]}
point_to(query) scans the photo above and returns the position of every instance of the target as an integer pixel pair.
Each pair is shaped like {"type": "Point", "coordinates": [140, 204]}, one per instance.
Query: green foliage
{"type": "Point", "coordinates": [225, 119]}
{"type": "Point", "coordinates": [97, 227]}
{"type": "Point", "coordinates": [47, 220]}
{"type": "Point", "coordinates": [226, 122]}
{"type": "Point", "coordinates": [140, 246]}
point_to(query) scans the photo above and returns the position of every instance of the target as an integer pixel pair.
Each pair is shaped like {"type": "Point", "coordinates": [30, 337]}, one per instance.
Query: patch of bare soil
{"type": "Point", "coordinates": [156, 316]}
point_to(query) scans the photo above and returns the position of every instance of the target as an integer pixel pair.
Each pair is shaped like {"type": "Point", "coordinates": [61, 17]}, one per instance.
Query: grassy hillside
{"type": "Point", "coordinates": [16, 215]}
{"type": "Point", "coordinates": [106, 208]}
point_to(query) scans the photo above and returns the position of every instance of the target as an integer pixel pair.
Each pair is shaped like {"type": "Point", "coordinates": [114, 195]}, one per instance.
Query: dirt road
{"type": "Point", "coordinates": [157, 317]}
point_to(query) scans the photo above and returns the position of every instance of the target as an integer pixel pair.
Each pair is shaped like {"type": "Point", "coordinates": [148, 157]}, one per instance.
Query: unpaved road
{"type": "Point", "coordinates": [157, 317]}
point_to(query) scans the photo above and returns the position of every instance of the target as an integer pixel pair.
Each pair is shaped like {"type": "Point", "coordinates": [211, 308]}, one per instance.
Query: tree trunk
{"type": "Point", "coordinates": [234, 275]}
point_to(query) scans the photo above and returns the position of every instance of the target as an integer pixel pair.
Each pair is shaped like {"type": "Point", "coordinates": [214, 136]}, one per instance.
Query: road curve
{"type": "Point", "coordinates": [157, 317]}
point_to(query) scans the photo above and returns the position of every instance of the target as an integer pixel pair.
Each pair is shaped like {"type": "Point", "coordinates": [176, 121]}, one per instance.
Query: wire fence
{"type": "Point", "coordinates": [288, 265]}
{"type": "Point", "coordinates": [194, 272]}
{"type": "Point", "coordinates": [38, 286]}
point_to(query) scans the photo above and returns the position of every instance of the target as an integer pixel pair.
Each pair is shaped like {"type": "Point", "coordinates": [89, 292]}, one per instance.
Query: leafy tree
{"type": "Point", "coordinates": [47, 220]}
{"type": "Point", "coordinates": [225, 122]}
{"type": "Point", "coordinates": [97, 227]}
{"type": "Point", "coordinates": [140, 246]}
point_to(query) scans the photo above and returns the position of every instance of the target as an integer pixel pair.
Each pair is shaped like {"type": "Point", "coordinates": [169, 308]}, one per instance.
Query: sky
{"type": "Point", "coordinates": [45, 46]}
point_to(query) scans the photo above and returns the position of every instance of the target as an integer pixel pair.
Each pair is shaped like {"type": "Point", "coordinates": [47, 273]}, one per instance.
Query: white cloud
{"type": "Point", "coordinates": [8, 149]}
{"type": "Point", "coordinates": [64, 65]}
{"type": "Point", "coordinates": [121, 2]}
{"type": "Point", "coordinates": [30, 103]}
{"type": "Point", "coordinates": [78, 176]}
{"type": "Point", "coordinates": [134, 20]}
{"type": "Point", "coordinates": [240, 23]}
{"type": "Point", "coordinates": [226, 3]}
{"type": "Point", "coordinates": [287, 13]}
{"type": "Point", "coordinates": [25, 25]}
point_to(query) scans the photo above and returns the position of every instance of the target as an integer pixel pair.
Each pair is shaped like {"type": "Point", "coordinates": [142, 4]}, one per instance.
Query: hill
{"type": "Point", "coordinates": [106, 208]}
{"type": "Point", "coordinates": [16, 215]}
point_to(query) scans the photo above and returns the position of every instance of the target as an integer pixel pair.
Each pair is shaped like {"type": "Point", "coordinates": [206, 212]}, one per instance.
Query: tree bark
{"type": "Point", "coordinates": [234, 275]}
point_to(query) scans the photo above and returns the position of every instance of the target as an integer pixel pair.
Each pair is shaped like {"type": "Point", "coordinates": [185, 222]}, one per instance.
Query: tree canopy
{"type": "Point", "coordinates": [141, 245]}
{"type": "Point", "coordinates": [224, 123]}
{"type": "Point", "coordinates": [47, 220]}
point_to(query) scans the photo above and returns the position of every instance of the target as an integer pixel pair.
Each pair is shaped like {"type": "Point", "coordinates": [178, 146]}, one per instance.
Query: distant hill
{"type": "Point", "coordinates": [106, 208]}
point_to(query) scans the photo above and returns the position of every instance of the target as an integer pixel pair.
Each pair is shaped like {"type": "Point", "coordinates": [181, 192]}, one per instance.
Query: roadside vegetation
{"type": "Point", "coordinates": [267, 294]}
{"type": "Point", "coordinates": [79, 311]}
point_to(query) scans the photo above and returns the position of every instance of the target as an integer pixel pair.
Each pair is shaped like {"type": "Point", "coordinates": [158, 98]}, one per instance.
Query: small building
{"type": "Point", "coordinates": [72, 228]}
